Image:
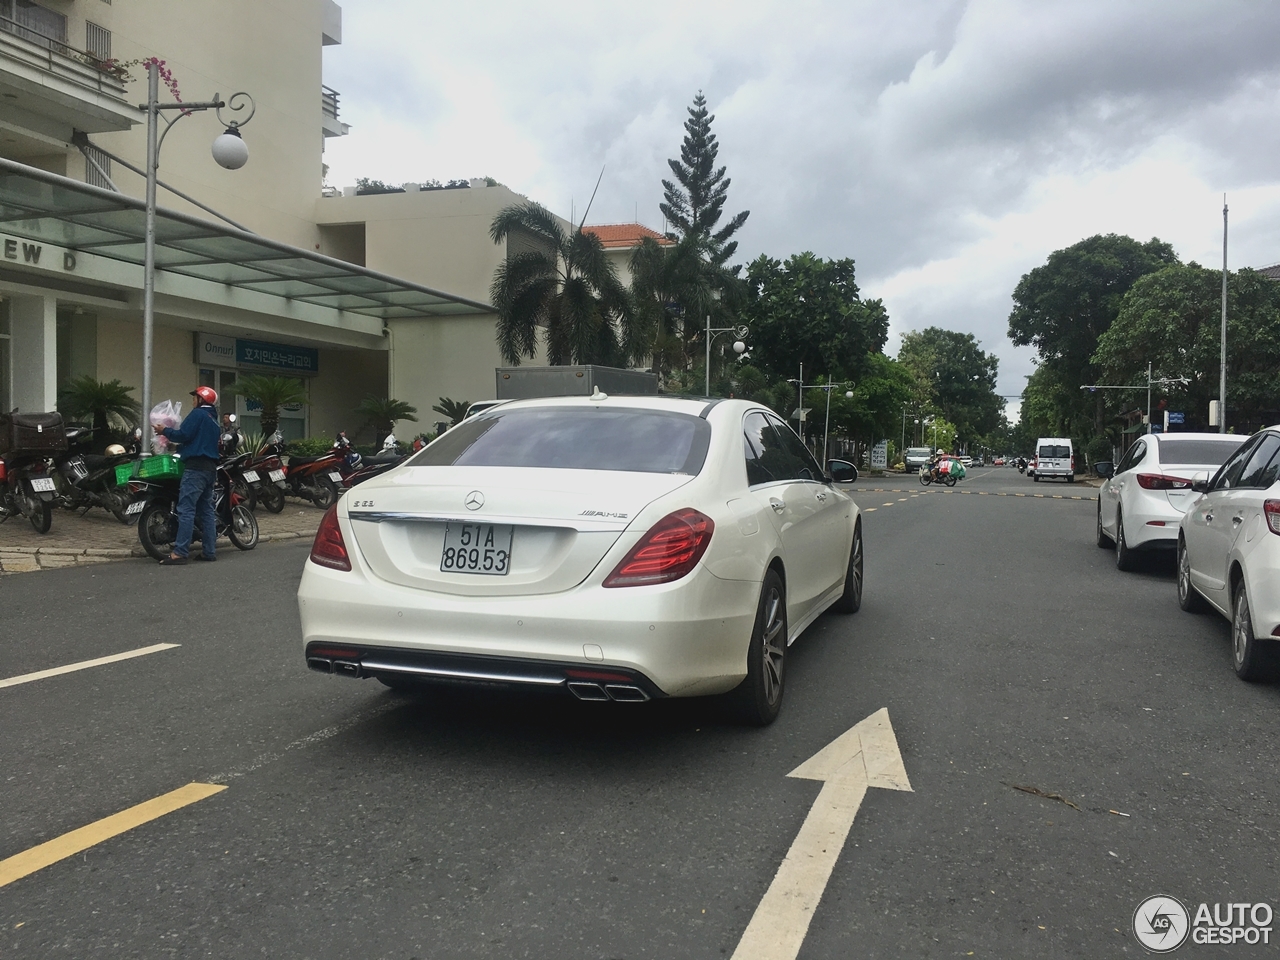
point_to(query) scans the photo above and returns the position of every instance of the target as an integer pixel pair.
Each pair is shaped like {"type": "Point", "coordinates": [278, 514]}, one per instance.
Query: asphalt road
{"type": "Point", "coordinates": [356, 822]}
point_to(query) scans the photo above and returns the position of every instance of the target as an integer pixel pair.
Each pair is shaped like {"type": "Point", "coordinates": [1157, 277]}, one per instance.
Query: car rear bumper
{"type": "Point", "coordinates": [1152, 525]}
{"type": "Point", "coordinates": [684, 638]}
{"type": "Point", "coordinates": [1262, 573]}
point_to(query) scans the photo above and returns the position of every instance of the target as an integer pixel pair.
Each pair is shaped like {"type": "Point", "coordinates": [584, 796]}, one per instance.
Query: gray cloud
{"type": "Point", "coordinates": [905, 135]}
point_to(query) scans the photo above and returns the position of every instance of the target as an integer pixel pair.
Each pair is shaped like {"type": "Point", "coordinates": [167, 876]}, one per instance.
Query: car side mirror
{"type": "Point", "coordinates": [1104, 468]}
{"type": "Point", "coordinates": [841, 471]}
{"type": "Point", "coordinates": [1200, 486]}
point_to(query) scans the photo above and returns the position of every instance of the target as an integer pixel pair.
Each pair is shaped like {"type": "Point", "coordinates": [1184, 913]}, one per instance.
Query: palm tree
{"type": "Point", "coordinates": [271, 393]}
{"type": "Point", "coordinates": [455, 410]}
{"type": "Point", "coordinates": [107, 403]}
{"type": "Point", "coordinates": [563, 283]}
{"type": "Point", "coordinates": [382, 412]}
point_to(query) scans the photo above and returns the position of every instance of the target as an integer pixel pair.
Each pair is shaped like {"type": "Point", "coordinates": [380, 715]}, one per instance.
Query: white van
{"type": "Point", "coordinates": [1054, 458]}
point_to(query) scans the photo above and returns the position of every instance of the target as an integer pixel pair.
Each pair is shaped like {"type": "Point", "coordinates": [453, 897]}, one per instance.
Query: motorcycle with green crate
{"type": "Point", "coordinates": [156, 486]}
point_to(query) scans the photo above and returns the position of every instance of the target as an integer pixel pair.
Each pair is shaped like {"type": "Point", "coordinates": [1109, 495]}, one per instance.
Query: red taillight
{"type": "Point", "coordinates": [1271, 509]}
{"type": "Point", "coordinates": [672, 547]}
{"type": "Point", "coordinates": [3, 472]}
{"type": "Point", "coordinates": [329, 549]}
{"type": "Point", "coordinates": [1158, 481]}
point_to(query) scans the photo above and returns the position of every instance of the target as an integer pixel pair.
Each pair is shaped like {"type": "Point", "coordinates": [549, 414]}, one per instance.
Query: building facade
{"type": "Point", "coordinates": [256, 270]}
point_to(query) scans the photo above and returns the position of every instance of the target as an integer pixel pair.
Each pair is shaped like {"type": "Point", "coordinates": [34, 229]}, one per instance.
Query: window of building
{"type": "Point", "coordinates": [99, 175]}
{"type": "Point", "coordinates": [32, 21]}
{"type": "Point", "coordinates": [97, 41]}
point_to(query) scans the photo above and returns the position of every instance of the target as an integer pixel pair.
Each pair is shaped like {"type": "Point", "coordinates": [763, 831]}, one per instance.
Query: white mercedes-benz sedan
{"type": "Point", "coordinates": [1141, 501]}
{"type": "Point", "coordinates": [622, 548]}
{"type": "Point", "coordinates": [1229, 553]}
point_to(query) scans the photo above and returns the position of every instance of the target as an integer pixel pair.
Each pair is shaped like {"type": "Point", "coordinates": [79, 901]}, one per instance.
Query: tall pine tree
{"type": "Point", "coordinates": [694, 202]}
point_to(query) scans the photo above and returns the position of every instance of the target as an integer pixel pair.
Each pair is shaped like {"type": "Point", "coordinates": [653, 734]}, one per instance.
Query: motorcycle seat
{"type": "Point", "coordinates": [303, 461]}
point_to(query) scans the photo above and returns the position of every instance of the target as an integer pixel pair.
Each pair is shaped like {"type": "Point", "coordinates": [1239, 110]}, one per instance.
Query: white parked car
{"type": "Point", "coordinates": [622, 548]}
{"type": "Point", "coordinates": [1141, 502]}
{"type": "Point", "coordinates": [1229, 553]}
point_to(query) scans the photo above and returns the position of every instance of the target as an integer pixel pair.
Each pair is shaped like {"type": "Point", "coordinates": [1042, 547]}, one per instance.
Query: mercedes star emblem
{"type": "Point", "coordinates": [475, 500]}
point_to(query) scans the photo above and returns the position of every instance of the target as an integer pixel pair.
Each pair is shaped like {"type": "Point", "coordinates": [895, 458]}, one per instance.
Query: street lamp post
{"type": "Point", "coordinates": [229, 151]}
{"type": "Point", "coordinates": [739, 347]}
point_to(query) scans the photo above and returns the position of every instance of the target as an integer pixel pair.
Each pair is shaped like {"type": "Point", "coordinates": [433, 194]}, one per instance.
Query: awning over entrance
{"type": "Point", "coordinates": [45, 208]}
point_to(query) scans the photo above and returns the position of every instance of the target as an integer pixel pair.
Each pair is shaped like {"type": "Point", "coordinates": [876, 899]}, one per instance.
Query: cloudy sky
{"type": "Point", "coordinates": [948, 147]}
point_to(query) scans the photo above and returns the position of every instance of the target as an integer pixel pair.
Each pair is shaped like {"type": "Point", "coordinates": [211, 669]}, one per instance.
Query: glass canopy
{"type": "Point", "coordinates": [44, 207]}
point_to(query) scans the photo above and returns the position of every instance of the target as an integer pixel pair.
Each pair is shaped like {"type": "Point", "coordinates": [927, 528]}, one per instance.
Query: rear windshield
{"type": "Point", "coordinates": [574, 438]}
{"type": "Point", "coordinates": [1054, 451]}
{"type": "Point", "coordinates": [1202, 452]}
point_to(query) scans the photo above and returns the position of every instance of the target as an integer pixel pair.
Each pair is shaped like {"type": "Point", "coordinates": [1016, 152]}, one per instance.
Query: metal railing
{"type": "Point", "coordinates": [59, 57]}
{"type": "Point", "coordinates": [329, 102]}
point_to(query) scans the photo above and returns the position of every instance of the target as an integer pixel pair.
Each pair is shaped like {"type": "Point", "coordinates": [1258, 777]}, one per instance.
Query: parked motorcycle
{"type": "Point", "coordinates": [386, 459]}
{"type": "Point", "coordinates": [90, 480]}
{"type": "Point", "coordinates": [269, 471]}
{"type": "Point", "coordinates": [27, 440]}
{"type": "Point", "coordinates": [318, 478]}
{"type": "Point", "coordinates": [158, 520]}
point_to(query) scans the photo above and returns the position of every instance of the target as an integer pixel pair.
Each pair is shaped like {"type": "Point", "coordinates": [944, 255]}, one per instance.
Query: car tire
{"type": "Point", "coordinates": [1188, 598]}
{"type": "Point", "coordinates": [758, 699]}
{"type": "Point", "coordinates": [1071, 478]}
{"type": "Point", "coordinates": [851, 600]}
{"type": "Point", "coordinates": [1105, 542]}
{"type": "Point", "coordinates": [1125, 558]}
{"type": "Point", "coordinates": [1035, 477]}
{"type": "Point", "coordinates": [1257, 661]}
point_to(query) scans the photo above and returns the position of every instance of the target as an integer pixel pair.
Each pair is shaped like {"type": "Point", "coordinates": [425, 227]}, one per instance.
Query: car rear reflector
{"type": "Point", "coordinates": [1155, 523]}
{"type": "Point", "coordinates": [1158, 481]}
{"type": "Point", "coordinates": [672, 547]}
{"type": "Point", "coordinates": [1271, 508]}
{"type": "Point", "coordinates": [329, 549]}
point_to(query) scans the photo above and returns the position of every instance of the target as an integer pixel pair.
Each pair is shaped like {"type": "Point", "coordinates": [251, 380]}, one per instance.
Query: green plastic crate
{"type": "Point", "coordinates": [124, 472]}
{"type": "Point", "coordinates": [159, 467]}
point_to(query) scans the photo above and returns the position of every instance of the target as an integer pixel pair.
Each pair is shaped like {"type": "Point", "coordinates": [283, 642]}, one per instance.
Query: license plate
{"type": "Point", "coordinates": [42, 484]}
{"type": "Point", "coordinates": [276, 475]}
{"type": "Point", "coordinates": [251, 476]}
{"type": "Point", "coordinates": [134, 508]}
{"type": "Point", "coordinates": [483, 548]}
{"type": "Point", "coordinates": [335, 477]}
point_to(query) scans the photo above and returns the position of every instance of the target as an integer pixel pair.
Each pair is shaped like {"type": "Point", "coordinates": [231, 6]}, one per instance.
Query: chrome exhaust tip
{"type": "Point", "coordinates": [586, 690]}
{"type": "Point", "coordinates": [625, 693]}
{"type": "Point", "coordinates": [322, 664]}
{"type": "Point", "coordinates": [347, 668]}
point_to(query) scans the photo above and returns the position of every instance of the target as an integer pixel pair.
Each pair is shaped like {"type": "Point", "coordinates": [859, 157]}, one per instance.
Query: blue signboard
{"type": "Point", "coordinates": [298, 361]}
{"type": "Point", "coordinates": [1177, 416]}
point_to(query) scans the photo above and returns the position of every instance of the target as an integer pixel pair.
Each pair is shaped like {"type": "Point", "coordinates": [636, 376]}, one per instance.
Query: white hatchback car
{"type": "Point", "coordinates": [1229, 553]}
{"type": "Point", "coordinates": [623, 548]}
{"type": "Point", "coordinates": [1142, 501]}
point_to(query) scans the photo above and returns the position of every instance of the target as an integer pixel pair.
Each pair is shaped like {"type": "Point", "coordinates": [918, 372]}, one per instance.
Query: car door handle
{"type": "Point", "coordinates": [778, 505]}
{"type": "Point", "coordinates": [1238, 519]}
{"type": "Point", "coordinates": [822, 497]}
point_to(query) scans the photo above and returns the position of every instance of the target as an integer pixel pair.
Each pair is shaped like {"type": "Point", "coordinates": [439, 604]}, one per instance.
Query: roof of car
{"type": "Point", "coordinates": [690, 405]}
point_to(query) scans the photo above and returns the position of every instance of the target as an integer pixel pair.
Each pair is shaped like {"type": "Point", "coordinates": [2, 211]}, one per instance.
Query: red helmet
{"type": "Point", "coordinates": [207, 395]}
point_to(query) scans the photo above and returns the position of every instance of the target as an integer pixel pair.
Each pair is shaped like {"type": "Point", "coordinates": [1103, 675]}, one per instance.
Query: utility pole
{"type": "Point", "coordinates": [1222, 363]}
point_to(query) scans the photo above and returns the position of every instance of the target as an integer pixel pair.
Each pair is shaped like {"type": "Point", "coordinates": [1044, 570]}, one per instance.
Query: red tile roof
{"type": "Point", "coordinates": [623, 234]}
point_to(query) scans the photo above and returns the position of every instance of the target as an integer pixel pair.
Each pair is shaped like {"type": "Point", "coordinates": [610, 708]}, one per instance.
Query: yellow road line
{"type": "Point", "coordinates": [86, 664]}
{"type": "Point", "coordinates": [69, 844]}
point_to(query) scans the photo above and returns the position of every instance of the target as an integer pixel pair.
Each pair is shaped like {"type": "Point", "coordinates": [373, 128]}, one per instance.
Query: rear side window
{"type": "Point", "coordinates": [1196, 452]}
{"type": "Point", "coordinates": [1228, 475]}
{"type": "Point", "coordinates": [802, 465]}
{"type": "Point", "coordinates": [575, 438]}
{"type": "Point", "coordinates": [1259, 467]}
{"type": "Point", "coordinates": [766, 460]}
{"type": "Point", "coordinates": [1055, 451]}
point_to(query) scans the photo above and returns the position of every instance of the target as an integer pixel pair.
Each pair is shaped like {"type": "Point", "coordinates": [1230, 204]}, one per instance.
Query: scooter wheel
{"type": "Point", "coordinates": [157, 530]}
{"type": "Point", "coordinates": [951, 481]}
{"type": "Point", "coordinates": [42, 516]}
{"type": "Point", "coordinates": [326, 493]}
{"type": "Point", "coordinates": [272, 497]}
{"type": "Point", "coordinates": [243, 530]}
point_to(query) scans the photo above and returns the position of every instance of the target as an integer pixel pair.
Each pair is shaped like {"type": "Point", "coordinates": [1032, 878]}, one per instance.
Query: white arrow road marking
{"type": "Point", "coordinates": [864, 756]}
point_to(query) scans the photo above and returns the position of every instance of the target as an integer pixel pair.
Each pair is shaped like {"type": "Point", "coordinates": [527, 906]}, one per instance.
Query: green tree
{"type": "Point", "coordinates": [563, 284]}
{"type": "Point", "coordinates": [1172, 319]}
{"type": "Point", "coordinates": [808, 310]}
{"type": "Point", "coordinates": [384, 412]}
{"type": "Point", "coordinates": [1064, 306]}
{"type": "Point", "coordinates": [107, 404]}
{"type": "Point", "coordinates": [454, 410]}
{"type": "Point", "coordinates": [955, 376]}
{"type": "Point", "coordinates": [694, 202]}
{"type": "Point", "coordinates": [271, 393]}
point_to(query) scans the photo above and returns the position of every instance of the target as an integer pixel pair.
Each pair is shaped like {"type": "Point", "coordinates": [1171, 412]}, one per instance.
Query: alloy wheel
{"type": "Point", "coordinates": [774, 646]}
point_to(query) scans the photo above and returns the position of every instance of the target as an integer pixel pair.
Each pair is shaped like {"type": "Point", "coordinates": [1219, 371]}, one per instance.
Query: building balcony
{"type": "Point", "coordinates": [333, 127]}
{"type": "Point", "coordinates": [48, 89]}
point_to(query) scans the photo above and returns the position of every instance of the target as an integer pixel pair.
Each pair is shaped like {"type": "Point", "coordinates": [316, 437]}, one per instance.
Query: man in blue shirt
{"type": "Point", "coordinates": [198, 436]}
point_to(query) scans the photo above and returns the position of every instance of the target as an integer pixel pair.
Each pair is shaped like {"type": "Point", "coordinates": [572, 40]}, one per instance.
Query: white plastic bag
{"type": "Point", "coordinates": [166, 413]}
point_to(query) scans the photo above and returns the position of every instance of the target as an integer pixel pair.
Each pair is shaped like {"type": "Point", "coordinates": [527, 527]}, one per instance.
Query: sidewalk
{"type": "Point", "coordinates": [98, 537]}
